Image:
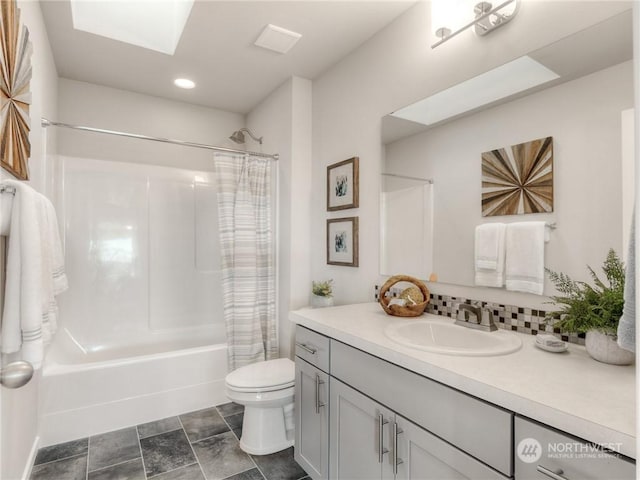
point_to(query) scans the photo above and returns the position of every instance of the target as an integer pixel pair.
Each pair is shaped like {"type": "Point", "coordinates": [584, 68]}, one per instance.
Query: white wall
{"type": "Point", "coordinates": [96, 106]}
{"type": "Point", "coordinates": [392, 69]}
{"type": "Point", "coordinates": [284, 119]}
{"type": "Point", "coordinates": [583, 117]}
{"type": "Point", "coordinates": [19, 408]}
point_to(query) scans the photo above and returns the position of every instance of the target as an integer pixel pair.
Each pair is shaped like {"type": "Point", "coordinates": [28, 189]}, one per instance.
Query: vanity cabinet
{"type": "Point", "coordinates": [312, 403]}
{"type": "Point", "coordinates": [543, 453]}
{"type": "Point", "coordinates": [368, 442]}
{"type": "Point", "coordinates": [478, 428]}
{"type": "Point", "coordinates": [361, 417]}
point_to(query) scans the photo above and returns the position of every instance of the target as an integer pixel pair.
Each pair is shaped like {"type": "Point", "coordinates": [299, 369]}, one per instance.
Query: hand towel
{"type": "Point", "coordinates": [489, 254]}
{"type": "Point", "coordinates": [22, 313]}
{"type": "Point", "coordinates": [6, 204]}
{"type": "Point", "coordinates": [34, 275]}
{"type": "Point", "coordinates": [524, 258]}
{"type": "Point", "coordinates": [627, 325]}
{"type": "Point", "coordinates": [54, 279]}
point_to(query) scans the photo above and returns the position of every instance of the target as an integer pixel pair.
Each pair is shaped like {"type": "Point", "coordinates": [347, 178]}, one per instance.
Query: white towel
{"type": "Point", "coordinates": [34, 275]}
{"type": "Point", "coordinates": [489, 254]}
{"type": "Point", "coordinates": [524, 264]}
{"type": "Point", "coordinates": [627, 326]}
{"type": "Point", "coordinates": [6, 204]}
{"type": "Point", "coordinates": [54, 279]}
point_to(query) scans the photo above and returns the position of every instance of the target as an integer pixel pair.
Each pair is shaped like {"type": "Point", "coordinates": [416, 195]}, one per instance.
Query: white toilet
{"type": "Point", "coordinates": [266, 391]}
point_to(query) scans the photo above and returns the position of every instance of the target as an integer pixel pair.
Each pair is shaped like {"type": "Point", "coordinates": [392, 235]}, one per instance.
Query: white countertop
{"type": "Point", "coordinates": [569, 391]}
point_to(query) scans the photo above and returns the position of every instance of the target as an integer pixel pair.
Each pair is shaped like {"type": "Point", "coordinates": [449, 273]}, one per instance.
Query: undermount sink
{"type": "Point", "coordinates": [449, 339]}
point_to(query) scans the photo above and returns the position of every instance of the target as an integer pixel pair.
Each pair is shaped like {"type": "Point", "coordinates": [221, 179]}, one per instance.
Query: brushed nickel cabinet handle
{"type": "Point", "coordinates": [396, 460]}
{"type": "Point", "coordinates": [381, 423]}
{"type": "Point", "coordinates": [556, 475]}
{"type": "Point", "coordinates": [319, 404]}
{"type": "Point", "coordinates": [306, 348]}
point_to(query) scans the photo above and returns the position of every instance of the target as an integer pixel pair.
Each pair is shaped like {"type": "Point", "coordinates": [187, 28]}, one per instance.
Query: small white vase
{"type": "Point", "coordinates": [318, 301]}
{"type": "Point", "coordinates": [604, 348]}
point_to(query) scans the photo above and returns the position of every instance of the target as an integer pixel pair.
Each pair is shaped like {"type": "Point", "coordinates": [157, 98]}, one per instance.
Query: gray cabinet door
{"type": "Point", "coordinates": [357, 426]}
{"type": "Point", "coordinates": [311, 449]}
{"type": "Point", "coordinates": [423, 456]}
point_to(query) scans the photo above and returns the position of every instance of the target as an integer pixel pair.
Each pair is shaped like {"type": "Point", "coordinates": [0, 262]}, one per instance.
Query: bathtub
{"type": "Point", "coordinates": [86, 392]}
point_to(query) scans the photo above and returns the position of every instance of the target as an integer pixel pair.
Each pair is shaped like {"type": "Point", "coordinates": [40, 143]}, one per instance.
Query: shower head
{"type": "Point", "coordinates": [238, 136]}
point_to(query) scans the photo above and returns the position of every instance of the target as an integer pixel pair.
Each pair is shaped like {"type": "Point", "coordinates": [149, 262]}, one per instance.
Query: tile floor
{"type": "Point", "coordinates": [201, 445]}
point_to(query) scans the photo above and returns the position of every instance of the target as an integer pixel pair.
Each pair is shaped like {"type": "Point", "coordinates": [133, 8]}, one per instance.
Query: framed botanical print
{"type": "Point", "coordinates": [342, 241]}
{"type": "Point", "coordinates": [342, 185]}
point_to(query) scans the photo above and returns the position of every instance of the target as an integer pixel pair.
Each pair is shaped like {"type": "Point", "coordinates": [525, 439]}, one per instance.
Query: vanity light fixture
{"type": "Point", "coordinates": [184, 83]}
{"type": "Point", "coordinates": [486, 19]}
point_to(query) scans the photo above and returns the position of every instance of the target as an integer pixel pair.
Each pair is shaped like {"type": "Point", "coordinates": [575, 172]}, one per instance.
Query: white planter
{"type": "Point", "coordinates": [318, 301]}
{"type": "Point", "coordinates": [604, 348]}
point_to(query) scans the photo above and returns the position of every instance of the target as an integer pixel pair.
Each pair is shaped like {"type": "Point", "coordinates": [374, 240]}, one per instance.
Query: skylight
{"type": "Point", "coordinates": [508, 79]}
{"type": "Point", "coordinates": [153, 24]}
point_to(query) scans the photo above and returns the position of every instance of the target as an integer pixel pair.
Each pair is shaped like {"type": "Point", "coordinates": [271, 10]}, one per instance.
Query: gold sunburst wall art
{"type": "Point", "coordinates": [518, 179]}
{"type": "Point", "coordinates": [15, 94]}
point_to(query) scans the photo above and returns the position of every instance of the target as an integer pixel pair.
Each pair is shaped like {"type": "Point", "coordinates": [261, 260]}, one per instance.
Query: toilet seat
{"type": "Point", "coordinates": [267, 376]}
{"type": "Point", "coordinates": [273, 388]}
{"type": "Point", "coordinates": [266, 390]}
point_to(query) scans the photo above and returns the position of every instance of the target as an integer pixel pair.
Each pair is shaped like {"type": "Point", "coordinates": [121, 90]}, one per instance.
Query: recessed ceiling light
{"type": "Point", "coordinates": [277, 39]}
{"type": "Point", "coordinates": [184, 83]}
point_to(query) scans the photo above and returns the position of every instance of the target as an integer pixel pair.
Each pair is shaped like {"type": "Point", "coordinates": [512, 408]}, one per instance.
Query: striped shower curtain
{"type": "Point", "coordinates": [248, 270]}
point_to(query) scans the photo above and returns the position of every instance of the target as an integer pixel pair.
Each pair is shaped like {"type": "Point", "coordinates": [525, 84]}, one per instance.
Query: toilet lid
{"type": "Point", "coordinates": [272, 373]}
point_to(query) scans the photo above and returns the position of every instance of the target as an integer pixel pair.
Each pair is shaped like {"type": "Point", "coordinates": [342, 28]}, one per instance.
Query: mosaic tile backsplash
{"type": "Point", "coordinates": [508, 317]}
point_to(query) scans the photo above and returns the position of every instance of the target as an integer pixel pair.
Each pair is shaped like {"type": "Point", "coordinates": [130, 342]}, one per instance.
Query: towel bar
{"type": "Point", "coordinates": [7, 189]}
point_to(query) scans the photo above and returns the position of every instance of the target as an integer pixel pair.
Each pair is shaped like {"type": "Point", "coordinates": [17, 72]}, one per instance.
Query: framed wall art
{"type": "Point", "coordinates": [342, 241]}
{"type": "Point", "coordinates": [518, 179]}
{"type": "Point", "coordinates": [342, 185]}
{"type": "Point", "coordinates": [15, 93]}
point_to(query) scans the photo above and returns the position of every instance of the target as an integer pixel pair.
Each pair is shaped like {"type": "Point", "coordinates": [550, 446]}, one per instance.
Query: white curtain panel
{"type": "Point", "coordinates": [248, 269]}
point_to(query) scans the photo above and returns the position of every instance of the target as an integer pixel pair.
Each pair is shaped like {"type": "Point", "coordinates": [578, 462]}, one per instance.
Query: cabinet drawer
{"type": "Point", "coordinates": [312, 347]}
{"type": "Point", "coordinates": [542, 452]}
{"type": "Point", "coordinates": [480, 429]}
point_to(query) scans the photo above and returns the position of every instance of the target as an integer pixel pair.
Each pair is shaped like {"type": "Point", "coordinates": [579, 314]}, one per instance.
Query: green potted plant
{"type": "Point", "coordinates": [322, 294]}
{"type": "Point", "coordinates": [593, 310]}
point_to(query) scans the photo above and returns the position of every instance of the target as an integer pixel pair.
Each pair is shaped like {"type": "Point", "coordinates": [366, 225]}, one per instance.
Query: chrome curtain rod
{"type": "Point", "coordinates": [49, 123]}
{"type": "Point", "coordinates": [407, 177]}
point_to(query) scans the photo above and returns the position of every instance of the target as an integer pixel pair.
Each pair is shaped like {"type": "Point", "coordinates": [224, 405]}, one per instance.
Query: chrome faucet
{"type": "Point", "coordinates": [475, 316]}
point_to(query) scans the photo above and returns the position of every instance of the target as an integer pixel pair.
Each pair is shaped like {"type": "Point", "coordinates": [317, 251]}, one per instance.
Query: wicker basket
{"type": "Point", "coordinates": [408, 310]}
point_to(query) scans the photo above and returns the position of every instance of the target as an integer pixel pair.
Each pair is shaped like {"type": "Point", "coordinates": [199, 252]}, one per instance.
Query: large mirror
{"type": "Point", "coordinates": [579, 91]}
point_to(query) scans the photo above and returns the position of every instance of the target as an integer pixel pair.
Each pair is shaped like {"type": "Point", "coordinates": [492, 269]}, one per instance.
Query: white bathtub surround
{"type": "Point", "coordinates": [564, 390]}
{"type": "Point", "coordinates": [141, 330]}
{"type": "Point", "coordinates": [248, 266]}
{"type": "Point", "coordinates": [85, 395]}
{"type": "Point", "coordinates": [34, 273]}
{"type": "Point", "coordinates": [142, 254]}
